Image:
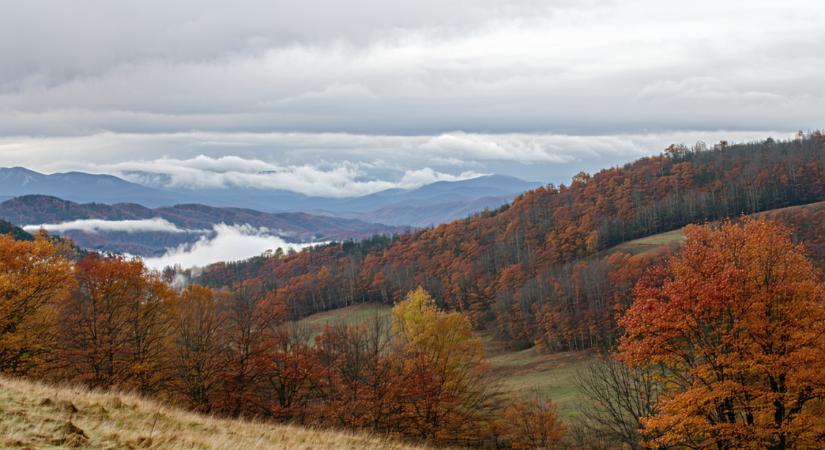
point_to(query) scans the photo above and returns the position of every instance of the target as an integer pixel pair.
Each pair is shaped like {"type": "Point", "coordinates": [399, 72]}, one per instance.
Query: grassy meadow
{"type": "Point", "coordinates": [34, 415]}
{"type": "Point", "coordinates": [517, 373]}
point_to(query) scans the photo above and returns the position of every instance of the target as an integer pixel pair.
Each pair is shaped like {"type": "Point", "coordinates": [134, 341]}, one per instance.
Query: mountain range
{"type": "Point", "coordinates": [186, 223]}
{"type": "Point", "coordinates": [432, 204]}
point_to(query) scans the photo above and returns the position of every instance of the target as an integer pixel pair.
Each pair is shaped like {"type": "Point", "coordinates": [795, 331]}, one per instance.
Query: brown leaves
{"type": "Point", "coordinates": [115, 325]}
{"type": "Point", "coordinates": [531, 424]}
{"type": "Point", "coordinates": [35, 278]}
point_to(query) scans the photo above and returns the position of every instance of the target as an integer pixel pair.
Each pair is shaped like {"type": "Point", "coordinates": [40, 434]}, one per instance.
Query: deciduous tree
{"type": "Point", "coordinates": [35, 277]}
{"type": "Point", "coordinates": [531, 424]}
{"type": "Point", "coordinates": [738, 324]}
{"type": "Point", "coordinates": [116, 325]}
{"type": "Point", "coordinates": [446, 396]}
{"type": "Point", "coordinates": [196, 348]}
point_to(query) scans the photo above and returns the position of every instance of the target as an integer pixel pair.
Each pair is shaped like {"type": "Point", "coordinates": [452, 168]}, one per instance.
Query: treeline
{"type": "Point", "coordinates": [108, 322]}
{"type": "Point", "coordinates": [536, 268]}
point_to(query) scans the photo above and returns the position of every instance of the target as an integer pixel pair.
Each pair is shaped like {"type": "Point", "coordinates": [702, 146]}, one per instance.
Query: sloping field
{"type": "Point", "coordinates": [350, 315]}
{"type": "Point", "coordinates": [674, 238]}
{"type": "Point", "coordinates": [526, 372]}
{"type": "Point", "coordinates": [521, 373]}
{"type": "Point", "coordinates": [649, 244]}
{"type": "Point", "coordinates": [34, 415]}
{"type": "Point", "coordinates": [515, 373]}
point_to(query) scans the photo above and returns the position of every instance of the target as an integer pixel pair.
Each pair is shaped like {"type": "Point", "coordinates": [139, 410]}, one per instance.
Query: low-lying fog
{"type": "Point", "coordinates": [228, 243]}
{"type": "Point", "coordinates": [222, 243]}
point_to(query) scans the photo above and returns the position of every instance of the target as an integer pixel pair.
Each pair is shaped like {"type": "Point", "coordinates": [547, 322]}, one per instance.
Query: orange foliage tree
{"type": "Point", "coordinates": [291, 375]}
{"type": "Point", "coordinates": [529, 424]}
{"type": "Point", "coordinates": [250, 318]}
{"type": "Point", "coordinates": [196, 350]}
{"type": "Point", "coordinates": [116, 325]}
{"type": "Point", "coordinates": [35, 278]}
{"type": "Point", "coordinates": [737, 323]}
{"type": "Point", "coordinates": [361, 377]}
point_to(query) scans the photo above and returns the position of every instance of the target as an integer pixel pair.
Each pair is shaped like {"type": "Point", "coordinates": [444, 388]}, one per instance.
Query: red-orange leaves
{"type": "Point", "coordinates": [737, 322]}
{"type": "Point", "coordinates": [531, 424]}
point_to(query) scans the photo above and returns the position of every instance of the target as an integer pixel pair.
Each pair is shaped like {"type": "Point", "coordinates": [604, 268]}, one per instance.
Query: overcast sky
{"type": "Point", "coordinates": [336, 98]}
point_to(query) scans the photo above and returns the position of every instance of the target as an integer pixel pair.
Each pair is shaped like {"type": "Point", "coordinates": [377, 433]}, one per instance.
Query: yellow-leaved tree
{"type": "Point", "coordinates": [446, 397]}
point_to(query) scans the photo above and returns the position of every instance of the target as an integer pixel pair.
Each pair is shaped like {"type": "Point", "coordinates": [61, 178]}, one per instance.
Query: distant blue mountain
{"type": "Point", "coordinates": [436, 203]}
{"type": "Point", "coordinates": [432, 204]}
{"type": "Point", "coordinates": [79, 187]}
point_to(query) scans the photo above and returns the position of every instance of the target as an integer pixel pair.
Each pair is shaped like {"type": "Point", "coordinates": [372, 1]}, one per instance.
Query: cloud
{"type": "Point", "coordinates": [156, 224]}
{"type": "Point", "coordinates": [343, 164]}
{"type": "Point", "coordinates": [390, 68]}
{"type": "Point", "coordinates": [227, 243]}
{"type": "Point", "coordinates": [345, 98]}
{"type": "Point", "coordinates": [342, 180]}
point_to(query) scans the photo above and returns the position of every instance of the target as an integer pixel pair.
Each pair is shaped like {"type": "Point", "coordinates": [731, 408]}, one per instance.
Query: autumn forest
{"type": "Point", "coordinates": [714, 340]}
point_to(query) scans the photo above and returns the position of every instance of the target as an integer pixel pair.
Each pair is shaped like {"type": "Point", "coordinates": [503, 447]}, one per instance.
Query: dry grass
{"type": "Point", "coordinates": [650, 244]}
{"type": "Point", "coordinates": [35, 415]}
{"type": "Point", "coordinates": [523, 373]}
{"type": "Point", "coordinates": [516, 373]}
{"type": "Point", "coordinates": [350, 315]}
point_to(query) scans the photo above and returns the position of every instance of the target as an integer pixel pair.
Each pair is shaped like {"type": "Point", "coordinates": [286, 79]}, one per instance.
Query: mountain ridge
{"type": "Point", "coordinates": [82, 187]}
{"type": "Point", "coordinates": [293, 227]}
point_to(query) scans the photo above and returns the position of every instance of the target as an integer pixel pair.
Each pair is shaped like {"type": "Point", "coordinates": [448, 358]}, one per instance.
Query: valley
{"type": "Point", "coordinates": [518, 312]}
{"type": "Point", "coordinates": [378, 224]}
{"type": "Point", "coordinates": [514, 373]}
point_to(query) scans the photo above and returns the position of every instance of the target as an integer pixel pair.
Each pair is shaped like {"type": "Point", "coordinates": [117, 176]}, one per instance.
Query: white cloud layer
{"type": "Point", "coordinates": [388, 67]}
{"type": "Point", "coordinates": [156, 224]}
{"type": "Point", "coordinates": [342, 164]}
{"type": "Point", "coordinates": [344, 98]}
{"type": "Point", "coordinates": [228, 243]}
{"type": "Point", "coordinates": [344, 180]}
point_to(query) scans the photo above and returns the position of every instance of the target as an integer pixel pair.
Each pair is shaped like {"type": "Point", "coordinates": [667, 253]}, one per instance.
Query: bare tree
{"type": "Point", "coordinates": [618, 398]}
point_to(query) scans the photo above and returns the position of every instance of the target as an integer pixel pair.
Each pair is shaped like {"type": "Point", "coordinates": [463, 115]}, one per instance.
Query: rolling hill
{"type": "Point", "coordinates": [538, 270]}
{"type": "Point", "coordinates": [15, 231]}
{"type": "Point", "coordinates": [520, 372]}
{"type": "Point", "coordinates": [36, 415]}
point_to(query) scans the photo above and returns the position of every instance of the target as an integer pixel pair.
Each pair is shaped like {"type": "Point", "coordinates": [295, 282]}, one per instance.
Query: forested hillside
{"type": "Point", "coordinates": [14, 231]}
{"type": "Point", "coordinates": [538, 269]}
{"type": "Point", "coordinates": [422, 373]}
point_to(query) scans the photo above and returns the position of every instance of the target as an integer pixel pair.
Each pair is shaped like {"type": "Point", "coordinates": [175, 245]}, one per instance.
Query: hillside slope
{"type": "Point", "coordinates": [34, 415]}
{"type": "Point", "coordinates": [15, 231]}
{"type": "Point", "coordinates": [534, 268]}
{"type": "Point", "coordinates": [807, 222]}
